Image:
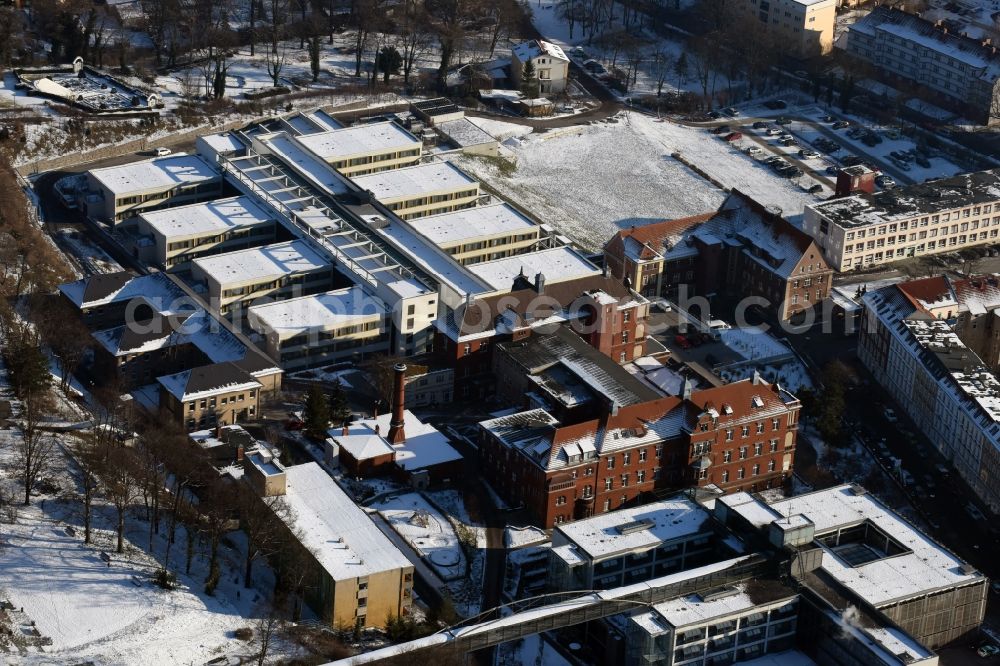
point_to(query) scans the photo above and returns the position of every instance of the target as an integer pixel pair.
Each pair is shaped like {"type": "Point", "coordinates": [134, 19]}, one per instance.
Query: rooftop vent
{"type": "Point", "coordinates": [967, 569]}
{"type": "Point", "coordinates": [858, 490]}
{"type": "Point", "coordinates": [719, 593]}
{"type": "Point", "coordinates": [635, 526]}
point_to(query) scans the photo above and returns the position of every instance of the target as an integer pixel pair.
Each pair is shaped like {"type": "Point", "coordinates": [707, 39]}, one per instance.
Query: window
{"type": "Point", "coordinates": [626, 316]}
{"type": "Point", "coordinates": [727, 456]}
{"type": "Point", "coordinates": [743, 453]}
{"type": "Point", "coordinates": [756, 470]}
{"type": "Point", "coordinates": [760, 427]}
{"type": "Point", "coordinates": [467, 349]}
{"type": "Point", "coordinates": [773, 445]}
{"type": "Point", "coordinates": [611, 462]}
{"type": "Point", "coordinates": [624, 480]}
{"type": "Point", "coordinates": [729, 435]}
{"type": "Point", "coordinates": [770, 466]}
{"type": "Point", "coordinates": [758, 448]}
{"type": "Point", "coordinates": [740, 473]}
{"type": "Point", "coordinates": [725, 476]}
{"type": "Point", "coordinates": [624, 337]}
{"type": "Point", "coordinates": [659, 451]}
{"type": "Point", "coordinates": [745, 431]}
{"type": "Point", "coordinates": [775, 423]}
{"type": "Point", "coordinates": [642, 455]}
{"type": "Point", "coordinates": [560, 500]}
{"type": "Point", "coordinates": [640, 476]}
{"type": "Point", "coordinates": [609, 483]}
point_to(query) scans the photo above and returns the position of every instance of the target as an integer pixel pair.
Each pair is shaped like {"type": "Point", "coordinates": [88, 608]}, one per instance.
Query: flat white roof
{"type": "Point", "coordinates": [358, 140]}
{"type": "Point", "coordinates": [223, 142]}
{"type": "Point", "coordinates": [159, 173]}
{"type": "Point", "coordinates": [328, 310]}
{"type": "Point", "coordinates": [556, 264]}
{"type": "Point", "coordinates": [202, 218]}
{"type": "Point", "coordinates": [599, 536]}
{"type": "Point", "coordinates": [340, 535]}
{"type": "Point", "coordinates": [685, 611]}
{"type": "Point", "coordinates": [457, 226]}
{"type": "Point", "coordinates": [928, 567]}
{"type": "Point", "coordinates": [301, 161]}
{"type": "Point", "coordinates": [261, 262]}
{"type": "Point", "coordinates": [415, 181]}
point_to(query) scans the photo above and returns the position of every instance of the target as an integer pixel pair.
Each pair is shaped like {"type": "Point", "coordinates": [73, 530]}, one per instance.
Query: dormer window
{"type": "Point", "coordinates": [756, 402]}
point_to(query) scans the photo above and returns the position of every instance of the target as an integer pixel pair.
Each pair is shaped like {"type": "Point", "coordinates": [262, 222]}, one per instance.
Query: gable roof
{"type": "Point", "coordinates": [208, 379]}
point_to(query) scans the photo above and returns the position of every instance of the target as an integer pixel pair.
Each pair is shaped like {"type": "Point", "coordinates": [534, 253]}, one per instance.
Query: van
{"type": "Point", "coordinates": [716, 326]}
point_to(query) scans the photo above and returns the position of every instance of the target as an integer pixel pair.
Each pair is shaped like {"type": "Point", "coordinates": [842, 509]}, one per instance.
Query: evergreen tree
{"type": "Point", "coordinates": [681, 69]}
{"type": "Point", "coordinates": [340, 408]}
{"type": "Point", "coordinates": [317, 413]}
{"type": "Point", "coordinates": [529, 80]}
{"type": "Point", "coordinates": [388, 62]}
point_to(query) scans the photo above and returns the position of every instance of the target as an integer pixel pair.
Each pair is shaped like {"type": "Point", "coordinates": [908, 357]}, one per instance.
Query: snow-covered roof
{"type": "Point", "coordinates": [424, 447]}
{"type": "Point", "coordinates": [208, 380]}
{"type": "Point", "coordinates": [156, 174]}
{"type": "Point", "coordinates": [349, 142]}
{"type": "Point", "coordinates": [555, 264]}
{"type": "Point", "coordinates": [329, 310]}
{"type": "Point", "coordinates": [636, 529]}
{"type": "Point", "coordinates": [106, 288]}
{"type": "Point", "coordinates": [260, 263]}
{"type": "Point", "coordinates": [222, 143]}
{"type": "Point", "coordinates": [746, 505]}
{"type": "Point", "coordinates": [415, 181]}
{"type": "Point", "coordinates": [482, 221]}
{"type": "Point", "coordinates": [342, 538]}
{"type": "Point", "coordinates": [305, 163]}
{"type": "Point", "coordinates": [364, 446]}
{"type": "Point", "coordinates": [926, 566]}
{"type": "Point", "coordinates": [694, 610]}
{"type": "Point", "coordinates": [465, 133]}
{"type": "Point", "coordinates": [538, 47]}
{"type": "Point", "coordinates": [220, 215]}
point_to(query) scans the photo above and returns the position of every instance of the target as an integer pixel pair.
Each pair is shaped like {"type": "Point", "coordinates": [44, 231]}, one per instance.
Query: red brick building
{"type": "Point", "coordinates": [743, 249]}
{"type": "Point", "coordinates": [600, 309]}
{"type": "Point", "coordinates": [736, 437]}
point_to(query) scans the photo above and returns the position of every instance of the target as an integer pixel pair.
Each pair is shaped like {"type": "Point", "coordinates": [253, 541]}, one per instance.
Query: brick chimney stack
{"type": "Point", "coordinates": [396, 434]}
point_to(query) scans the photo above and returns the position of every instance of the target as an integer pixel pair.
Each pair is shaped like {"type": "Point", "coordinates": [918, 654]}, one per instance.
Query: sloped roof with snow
{"type": "Point", "coordinates": [425, 445]}
{"type": "Point", "coordinates": [538, 47]}
{"type": "Point", "coordinates": [208, 380]}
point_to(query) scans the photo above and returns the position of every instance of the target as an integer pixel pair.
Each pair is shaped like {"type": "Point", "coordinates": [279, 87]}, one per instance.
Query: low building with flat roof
{"type": "Point", "coordinates": [558, 264]}
{"type": "Point", "coordinates": [184, 233]}
{"type": "Point", "coordinates": [482, 233]}
{"type": "Point", "coordinates": [364, 149]}
{"type": "Point", "coordinates": [117, 193]}
{"type": "Point", "coordinates": [273, 271]}
{"type": "Point", "coordinates": [356, 577]}
{"type": "Point", "coordinates": [303, 332]}
{"type": "Point", "coordinates": [427, 189]}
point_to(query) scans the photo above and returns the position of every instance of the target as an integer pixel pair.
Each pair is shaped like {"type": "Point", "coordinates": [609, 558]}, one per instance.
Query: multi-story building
{"type": "Point", "coordinates": [633, 545]}
{"type": "Point", "coordinates": [357, 577]}
{"type": "Point", "coordinates": [942, 215]}
{"type": "Point", "coordinates": [549, 61]}
{"type": "Point", "coordinates": [210, 395]}
{"type": "Point", "coordinates": [948, 392]}
{"type": "Point", "coordinates": [364, 149]}
{"type": "Point", "coordinates": [325, 328]}
{"type": "Point", "coordinates": [427, 189]}
{"type": "Point", "coordinates": [234, 280]}
{"type": "Point", "coordinates": [743, 249]}
{"type": "Point", "coordinates": [184, 233]}
{"type": "Point", "coordinates": [483, 233]}
{"type": "Point", "coordinates": [959, 71]}
{"type": "Point", "coordinates": [850, 549]}
{"type": "Point", "coordinates": [740, 436]}
{"type": "Point", "coordinates": [803, 28]}
{"type": "Point", "coordinates": [117, 193]}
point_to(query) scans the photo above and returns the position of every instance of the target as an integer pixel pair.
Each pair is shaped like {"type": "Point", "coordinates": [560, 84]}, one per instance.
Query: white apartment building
{"type": "Point", "coordinates": [804, 27]}
{"type": "Point", "coordinates": [364, 149]}
{"type": "Point", "coordinates": [927, 218]}
{"type": "Point", "coordinates": [961, 71]}
{"type": "Point", "coordinates": [483, 233]}
{"type": "Point", "coordinates": [273, 271]}
{"type": "Point", "coordinates": [550, 63]}
{"type": "Point", "coordinates": [183, 233]}
{"type": "Point", "coordinates": [948, 392]}
{"type": "Point", "coordinates": [427, 189]}
{"type": "Point", "coordinates": [303, 332]}
{"type": "Point", "coordinates": [117, 193]}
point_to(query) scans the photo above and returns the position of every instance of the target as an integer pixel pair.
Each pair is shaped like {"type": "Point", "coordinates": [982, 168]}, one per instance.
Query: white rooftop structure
{"type": "Point", "coordinates": [197, 219]}
{"type": "Point", "coordinates": [160, 173]}
{"type": "Point", "coordinates": [414, 181]}
{"type": "Point", "coordinates": [340, 535]}
{"type": "Point", "coordinates": [259, 263]}
{"type": "Point", "coordinates": [316, 312]}
{"type": "Point", "coordinates": [637, 528]}
{"type": "Point", "coordinates": [556, 264]}
{"type": "Point", "coordinates": [693, 609]}
{"type": "Point", "coordinates": [490, 220]}
{"type": "Point", "coordinates": [424, 447]}
{"type": "Point", "coordinates": [358, 140]}
{"type": "Point", "coordinates": [305, 163]}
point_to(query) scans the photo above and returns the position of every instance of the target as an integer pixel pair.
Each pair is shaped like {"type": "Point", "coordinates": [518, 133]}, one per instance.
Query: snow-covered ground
{"type": "Point", "coordinates": [571, 178]}
{"type": "Point", "coordinates": [426, 531]}
{"type": "Point", "coordinates": [467, 592]}
{"type": "Point", "coordinates": [771, 358]}
{"type": "Point", "coordinates": [529, 650]}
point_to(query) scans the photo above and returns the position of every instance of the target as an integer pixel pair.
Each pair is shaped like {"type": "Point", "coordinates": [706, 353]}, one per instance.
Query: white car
{"type": "Point", "coordinates": [163, 152]}
{"type": "Point", "coordinates": [753, 150]}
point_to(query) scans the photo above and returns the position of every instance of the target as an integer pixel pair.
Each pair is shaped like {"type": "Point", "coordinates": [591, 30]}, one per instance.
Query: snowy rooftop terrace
{"type": "Point", "coordinates": [349, 142]}
{"type": "Point", "coordinates": [416, 181]}
{"type": "Point", "coordinates": [220, 215]}
{"type": "Point", "coordinates": [259, 263]}
{"type": "Point", "coordinates": [557, 264]}
{"type": "Point", "coordinates": [455, 227]}
{"type": "Point", "coordinates": [924, 567]}
{"type": "Point", "coordinates": [636, 529]}
{"type": "Point", "coordinates": [341, 536]}
{"type": "Point", "coordinates": [317, 312]}
{"type": "Point", "coordinates": [156, 174]}
{"type": "Point", "coordinates": [935, 196]}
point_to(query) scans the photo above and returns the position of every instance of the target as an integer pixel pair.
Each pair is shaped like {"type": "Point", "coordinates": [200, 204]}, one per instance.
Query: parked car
{"type": "Point", "coordinates": [833, 169]}
{"type": "Point", "coordinates": [808, 154]}
{"type": "Point", "coordinates": [713, 115]}
{"type": "Point", "coordinates": [871, 139]}
{"type": "Point", "coordinates": [775, 131]}
{"type": "Point", "coordinates": [781, 120]}
{"type": "Point", "coordinates": [753, 150]}
{"type": "Point", "coordinates": [293, 424]}
{"type": "Point", "coordinates": [787, 141]}
{"type": "Point", "coordinates": [815, 189]}
{"type": "Point", "coordinates": [594, 67]}
{"type": "Point", "coordinates": [841, 124]}
{"type": "Point", "coordinates": [772, 160]}
{"type": "Point", "coordinates": [922, 161]}
{"type": "Point", "coordinates": [682, 342]}
{"type": "Point", "coordinates": [721, 129]}
{"type": "Point", "coordinates": [760, 124]}
{"type": "Point", "coordinates": [731, 111]}
{"type": "Point", "coordinates": [732, 136]}
{"type": "Point", "coordinates": [989, 650]}
{"type": "Point", "coordinates": [794, 172]}
{"type": "Point", "coordinates": [776, 104]}
{"type": "Point", "coordinates": [828, 119]}
{"type": "Point", "coordinates": [163, 152]}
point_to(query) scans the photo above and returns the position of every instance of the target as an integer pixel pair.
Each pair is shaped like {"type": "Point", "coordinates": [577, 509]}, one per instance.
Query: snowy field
{"type": "Point", "coordinates": [426, 531]}
{"type": "Point", "coordinates": [576, 179]}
